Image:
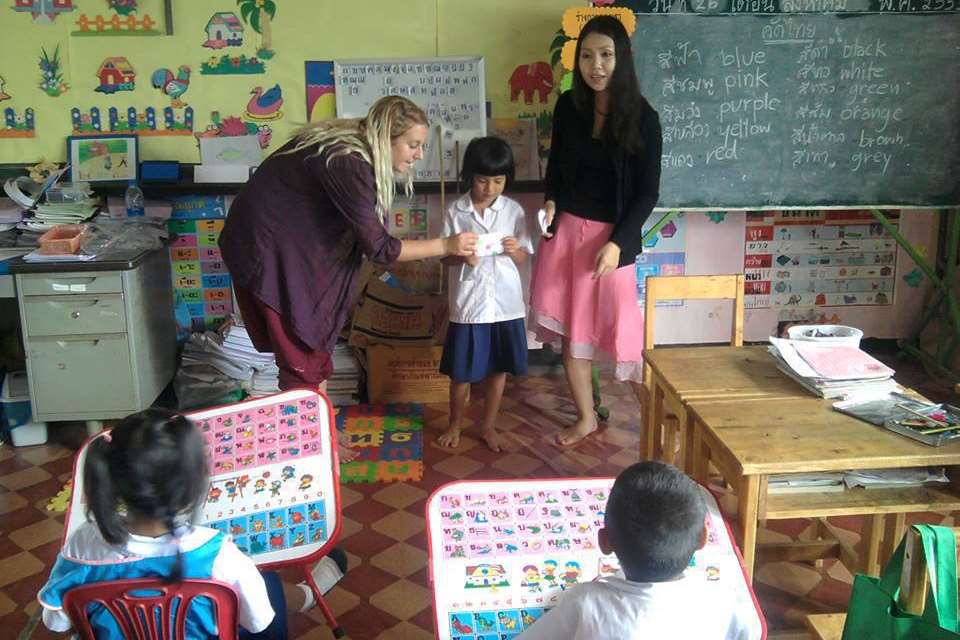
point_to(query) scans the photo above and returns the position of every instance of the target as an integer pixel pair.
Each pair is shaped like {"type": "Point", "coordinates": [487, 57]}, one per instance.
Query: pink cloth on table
{"type": "Point", "coordinates": [600, 316]}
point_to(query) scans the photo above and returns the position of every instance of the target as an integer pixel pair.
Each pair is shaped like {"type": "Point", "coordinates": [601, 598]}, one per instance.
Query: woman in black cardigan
{"type": "Point", "coordinates": [603, 179]}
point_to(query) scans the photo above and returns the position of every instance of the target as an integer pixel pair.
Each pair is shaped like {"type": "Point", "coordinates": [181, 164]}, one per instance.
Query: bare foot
{"type": "Point", "coordinates": [344, 450]}
{"type": "Point", "coordinates": [574, 435]}
{"type": "Point", "coordinates": [449, 439]}
{"type": "Point", "coordinates": [493, 439]}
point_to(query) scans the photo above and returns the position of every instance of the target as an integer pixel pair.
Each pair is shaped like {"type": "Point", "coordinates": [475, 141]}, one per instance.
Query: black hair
{"type": "Point", "coordinates": [151, 465]}
{"type": "Point", "coordinates": [654, 520]}
{"type": "Point", "coordinates": [489, 156]}
{"type": "Point", "coordinates": [626, 107]}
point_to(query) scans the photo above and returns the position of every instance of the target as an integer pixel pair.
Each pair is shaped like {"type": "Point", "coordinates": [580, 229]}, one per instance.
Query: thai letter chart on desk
{"type": "Point", "coordinates": [502, 553]}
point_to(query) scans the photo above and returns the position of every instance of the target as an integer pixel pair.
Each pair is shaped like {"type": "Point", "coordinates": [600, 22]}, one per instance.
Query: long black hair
{"type": "Point", "coordinates": [626, 106]}
{"type": "Point", "coordinates": [152, 465]}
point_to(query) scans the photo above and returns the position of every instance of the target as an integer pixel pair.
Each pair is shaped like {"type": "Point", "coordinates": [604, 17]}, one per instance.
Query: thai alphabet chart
{"type": "Point", "coordinates": [273, 481]}
{"type": "Point", "coordinates": [502, 552]}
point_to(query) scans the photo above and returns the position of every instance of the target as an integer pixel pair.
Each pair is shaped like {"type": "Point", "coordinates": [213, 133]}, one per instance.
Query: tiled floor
{"type": "Point", "coordinates": [386, 593]}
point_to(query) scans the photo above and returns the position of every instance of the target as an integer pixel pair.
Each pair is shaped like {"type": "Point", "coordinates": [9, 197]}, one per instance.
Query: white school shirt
{"type": "Point", "coordinates": [87, 547]}
{"type": "Point", "coordinates": [614, 608]}
{"type": "Point", "coordinates": [492, 290]}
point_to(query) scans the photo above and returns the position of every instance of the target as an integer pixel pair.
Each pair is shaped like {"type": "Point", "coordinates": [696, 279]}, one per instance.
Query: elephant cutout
{"type": "Point", "coordinates": [536, 77]}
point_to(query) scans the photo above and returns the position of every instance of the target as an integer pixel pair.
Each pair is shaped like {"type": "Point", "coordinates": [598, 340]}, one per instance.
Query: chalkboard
{"type": "Point", "coordinates": [805, 109]}
{"type": "Point", "coordinates": [450, 89]}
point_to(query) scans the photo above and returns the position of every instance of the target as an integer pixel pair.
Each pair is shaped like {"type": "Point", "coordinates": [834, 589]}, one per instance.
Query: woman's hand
{"type": "Point", "coordinates": [462, 244]}
{"type": "Point", "coordinates": [550, 208]}
{"type": "Point", "coordinates": [607, 260]}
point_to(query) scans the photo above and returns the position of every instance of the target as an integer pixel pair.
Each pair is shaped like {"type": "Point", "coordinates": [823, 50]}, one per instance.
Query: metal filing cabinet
{"type": "Point", "coordinates": [100, 337]}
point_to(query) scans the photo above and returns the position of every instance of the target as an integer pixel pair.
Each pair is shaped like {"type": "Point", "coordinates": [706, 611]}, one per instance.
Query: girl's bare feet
{"type": "Point", "coordinates": [493, 439]}
{"type": "Point", "coordinates": [449, 439]}
{"type": "Point", "coordinates": [574, 435]}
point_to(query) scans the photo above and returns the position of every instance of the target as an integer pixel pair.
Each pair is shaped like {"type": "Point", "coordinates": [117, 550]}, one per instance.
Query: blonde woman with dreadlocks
{"type": "Point", "coordinates": [299, 229]}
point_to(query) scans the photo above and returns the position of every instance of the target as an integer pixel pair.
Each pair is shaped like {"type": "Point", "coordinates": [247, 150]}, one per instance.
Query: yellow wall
{"type": "Point", "coordinates": [506, 32]}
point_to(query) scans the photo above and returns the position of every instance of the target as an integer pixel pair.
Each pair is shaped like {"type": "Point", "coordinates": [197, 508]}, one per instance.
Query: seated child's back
{"type": "Point", "coordinates": [655, 520]}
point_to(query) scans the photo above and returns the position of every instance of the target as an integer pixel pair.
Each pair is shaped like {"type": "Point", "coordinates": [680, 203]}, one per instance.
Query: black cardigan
{"type": "Point", "coordinates": [637, 179]}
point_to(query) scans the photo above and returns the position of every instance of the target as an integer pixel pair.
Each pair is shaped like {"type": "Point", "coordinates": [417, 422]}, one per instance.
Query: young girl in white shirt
{"type": "Point", "coordinates": [486, 338]}
{"type": "Point", "coordinates": [143, 482]}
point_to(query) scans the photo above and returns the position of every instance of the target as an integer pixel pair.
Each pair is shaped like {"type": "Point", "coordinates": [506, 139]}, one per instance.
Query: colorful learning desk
{"type": "Point", "coordinates": [274, 480]}
{"type": "Point", "coordinates": [502, 552]}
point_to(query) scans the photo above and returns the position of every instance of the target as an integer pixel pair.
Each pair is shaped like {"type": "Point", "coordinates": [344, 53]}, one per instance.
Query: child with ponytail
{"type": "Point", "coordinates": [144, 482]}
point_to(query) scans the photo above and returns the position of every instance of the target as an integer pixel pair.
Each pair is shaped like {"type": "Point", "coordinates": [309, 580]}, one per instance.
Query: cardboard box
{"type": "Point", "coordinates": [389, 315]}
{"type": "Point", "coordinates": [406, 374]}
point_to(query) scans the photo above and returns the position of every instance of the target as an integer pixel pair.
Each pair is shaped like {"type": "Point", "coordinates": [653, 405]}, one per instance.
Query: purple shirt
{"type": "Point", "coordinates": [296, 235]}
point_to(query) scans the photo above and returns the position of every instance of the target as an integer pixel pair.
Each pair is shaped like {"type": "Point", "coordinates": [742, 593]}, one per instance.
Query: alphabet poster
{"type": "Point", "coordinates": [274, 483]}
{"type": "Point", "coordinates": [502, 553]}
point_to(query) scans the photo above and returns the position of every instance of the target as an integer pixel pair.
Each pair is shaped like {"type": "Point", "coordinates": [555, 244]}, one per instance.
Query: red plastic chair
{"type": "Point", "coordinates": [138, 614]}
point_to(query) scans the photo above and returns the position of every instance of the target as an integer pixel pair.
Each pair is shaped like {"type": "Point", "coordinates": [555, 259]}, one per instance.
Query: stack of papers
{"type": "Point", "coordinates": [47, 216]}
{"type": "Point", "coordinates": [804, 482]}
{"type": "Point", "coordinates": [343, 387]}
{"type": "Point", "coordinates": [231, 352]}
{"type": "Point", "coordinates": [832, 371]}
{"type": "Point", "coordinates": [866, 478]}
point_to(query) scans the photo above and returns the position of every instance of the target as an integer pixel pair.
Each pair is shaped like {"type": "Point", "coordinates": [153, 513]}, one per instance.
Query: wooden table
{"type": "Point", "coordinates": [723, 374]}
{"type": "Point", "coordinates": [750, 440]}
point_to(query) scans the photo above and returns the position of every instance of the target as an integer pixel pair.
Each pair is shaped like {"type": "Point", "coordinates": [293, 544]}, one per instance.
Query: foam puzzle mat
{"type": "Point", "coordinates": [388, 439]}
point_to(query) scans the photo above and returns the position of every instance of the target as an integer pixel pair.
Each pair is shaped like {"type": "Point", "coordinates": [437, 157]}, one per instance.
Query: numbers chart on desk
{"type": "Point", "coordinates": [271, 474]}
{"type": "Point", "coordinates": [502, 553]}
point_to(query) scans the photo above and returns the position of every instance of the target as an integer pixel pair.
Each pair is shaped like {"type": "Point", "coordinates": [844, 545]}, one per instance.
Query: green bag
{"type": "Point", "coordinates": [873, 613]}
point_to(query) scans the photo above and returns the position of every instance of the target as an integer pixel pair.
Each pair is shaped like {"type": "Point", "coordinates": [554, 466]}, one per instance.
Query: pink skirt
{"type": "Point", "coordinates": [600, 317]}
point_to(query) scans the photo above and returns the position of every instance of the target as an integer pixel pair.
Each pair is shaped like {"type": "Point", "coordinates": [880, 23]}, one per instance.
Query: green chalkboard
{"type": "Point", "coordinates": [804, 109]}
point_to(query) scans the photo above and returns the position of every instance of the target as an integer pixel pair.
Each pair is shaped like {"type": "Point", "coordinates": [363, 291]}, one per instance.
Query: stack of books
{"type": "Point", "coordinates": [343, 387]}
{"type": "Point", "coordinates": [832, 371]}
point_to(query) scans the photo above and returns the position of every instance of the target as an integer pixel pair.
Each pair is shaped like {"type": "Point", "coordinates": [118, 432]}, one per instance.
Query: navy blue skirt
{"type": "Point", "coordinates": [474, 351]}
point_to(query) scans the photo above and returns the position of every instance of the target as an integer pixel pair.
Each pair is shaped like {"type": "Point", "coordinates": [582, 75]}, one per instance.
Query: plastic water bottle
{"type": "Point", "coordinates": [133, 198]}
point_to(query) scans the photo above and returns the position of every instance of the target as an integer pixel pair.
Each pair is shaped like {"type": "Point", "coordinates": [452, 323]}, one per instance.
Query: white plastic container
{"type": "Point", "coordinates": [837, 334]}
{"type": "Point", "coordinates": [17, 417]}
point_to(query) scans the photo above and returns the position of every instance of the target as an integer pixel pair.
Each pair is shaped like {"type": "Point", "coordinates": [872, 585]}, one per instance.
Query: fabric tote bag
{"type": "Point", "coordinates": [873, 613]}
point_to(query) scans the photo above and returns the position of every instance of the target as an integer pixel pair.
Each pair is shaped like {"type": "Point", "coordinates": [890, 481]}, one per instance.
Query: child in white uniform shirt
{"type": "Point", "coordinates": [486, 338]}
{"type": "Point", "coordinates": [153, 464]}
{"type": "Point", "coordinates": [654, 522]}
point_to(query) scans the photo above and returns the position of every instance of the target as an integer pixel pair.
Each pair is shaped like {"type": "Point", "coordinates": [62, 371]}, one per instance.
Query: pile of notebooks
{"type": "Point", "coordinates": [832, 371]}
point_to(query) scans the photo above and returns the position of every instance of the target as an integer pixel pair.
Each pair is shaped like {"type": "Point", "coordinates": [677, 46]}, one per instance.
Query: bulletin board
{"type": "Point", "coordinates": [274, 479]}
{"type": "Point", "coordinates": [450, 89]}
{"type": "Point", "coordinates": [502, 553]}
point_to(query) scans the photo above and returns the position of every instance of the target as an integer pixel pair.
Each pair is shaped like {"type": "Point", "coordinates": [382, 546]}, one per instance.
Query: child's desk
{"type": "Point", "coordinates": [502, 552]}
{"type": "Point", "coordinates": [274, 479]}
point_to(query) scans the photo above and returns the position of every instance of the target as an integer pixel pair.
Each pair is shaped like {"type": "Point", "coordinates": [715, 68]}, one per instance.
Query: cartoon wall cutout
{"type": "Point", "coordinates": [43, 11]}
{"type": "Point", "coordinates": [529, 79]}
{"type": "Point", "coordinates": [143, 123]}
{"type": "Point", "coordinates": [234, 126]}
{"type": "Point", "coordinates": [232, 65]}
{"type": "Point", "coordinates": [51, 73]}
{"type": "Point", "coordinates": [18, 125]}
{"type": "Point", "coordinates": [115, 25]}
{"type": "Point", "coordinates": [223, 29]}
{"type": "Point", "coordinates": [3, 96]}
{"type": "Point", "coordinates": [172, 85]}
{"type": "Point", "coordinates": [116, 74]}
{"type": "Point", "coordinates": [264, 106]}
{"type": "Point", "coordinates": [258, 14]}
{"type": "Point", "coordinates": [123, 7]}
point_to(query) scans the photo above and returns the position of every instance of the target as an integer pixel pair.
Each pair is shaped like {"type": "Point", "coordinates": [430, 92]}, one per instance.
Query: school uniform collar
{"type": "Point", "coordinates": [465, 204]}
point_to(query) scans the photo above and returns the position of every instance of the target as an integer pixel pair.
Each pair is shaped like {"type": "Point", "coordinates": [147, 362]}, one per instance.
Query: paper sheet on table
{"type": "Point", "coordinates": [489, 244]}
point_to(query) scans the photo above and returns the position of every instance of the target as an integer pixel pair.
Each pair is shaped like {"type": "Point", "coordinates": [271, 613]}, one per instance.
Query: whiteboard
{"type": "Point", "coordinates": [450, 89]}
